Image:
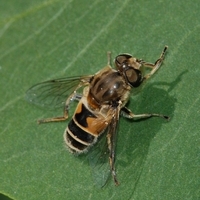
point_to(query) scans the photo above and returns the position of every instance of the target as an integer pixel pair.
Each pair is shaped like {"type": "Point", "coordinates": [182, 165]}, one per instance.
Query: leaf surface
{"type": "Point", "coordinates": [43, 40]}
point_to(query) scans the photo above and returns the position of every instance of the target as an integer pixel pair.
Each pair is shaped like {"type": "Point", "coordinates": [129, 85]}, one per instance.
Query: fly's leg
{"type": "Point", "coordinates": [112, 158]}
{"type": "Point", "coordinates": [111, 140]}
{"type": "Point", "coordinates": [109, 57]}
{"type": "Point", "coordinates": [154, 66]}
{"type": "Point", "coordinates": [72, 97]}
{"type": "Point", "coordinates": [128, 114]}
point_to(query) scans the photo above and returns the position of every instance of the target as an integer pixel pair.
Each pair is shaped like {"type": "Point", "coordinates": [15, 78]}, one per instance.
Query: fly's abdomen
{"type": "Point", "coordinates": [84, 129]}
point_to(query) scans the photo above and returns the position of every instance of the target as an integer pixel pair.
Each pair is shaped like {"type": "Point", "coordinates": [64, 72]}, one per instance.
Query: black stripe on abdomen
{"type": "Point", "coordinates": [81, 118]}
{"type": "Point", "coordinates": [74, 145]}
{"type": "Point", "coordinates": [80, 133]}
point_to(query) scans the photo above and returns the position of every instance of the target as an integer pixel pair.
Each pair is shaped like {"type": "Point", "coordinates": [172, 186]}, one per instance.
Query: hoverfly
{"type": "Point", "coordinates": [103, 98]}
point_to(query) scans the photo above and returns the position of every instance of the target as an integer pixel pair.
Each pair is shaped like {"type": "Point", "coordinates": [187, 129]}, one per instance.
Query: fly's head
{"type": "Point", "coordinates": [130, 68]}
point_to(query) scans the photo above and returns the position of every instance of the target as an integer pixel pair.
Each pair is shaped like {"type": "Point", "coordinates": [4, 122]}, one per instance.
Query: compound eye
{"type": "Point", "coordinates": [121, 60]}
{"type": "Point", "coordinates": [133, 77]}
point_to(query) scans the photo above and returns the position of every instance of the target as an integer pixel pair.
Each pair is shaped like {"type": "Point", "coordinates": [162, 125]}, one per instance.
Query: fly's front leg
{"type": "Point", "coordinates": [156, 65]}
{"type": "Point", "coordinates": [109, 58]}
{"type": "Point", "coordinates": [72, 97]}
{"type": "Point", "coordinates": [128, 114]}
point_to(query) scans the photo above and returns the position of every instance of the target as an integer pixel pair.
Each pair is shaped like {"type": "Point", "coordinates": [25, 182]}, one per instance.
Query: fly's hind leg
{"type": "Point", "coordinates": [112, 156]}
{"type": "Point", "coordinates": [130, 115]}
{"type": "Point", "coordinates": [73, 96]}
{"type": "Point", "coordinates": [111, 140]}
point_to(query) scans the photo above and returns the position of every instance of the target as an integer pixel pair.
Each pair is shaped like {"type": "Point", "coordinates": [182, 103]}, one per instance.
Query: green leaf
{"type": "Point", "coordinates": [41, 40]}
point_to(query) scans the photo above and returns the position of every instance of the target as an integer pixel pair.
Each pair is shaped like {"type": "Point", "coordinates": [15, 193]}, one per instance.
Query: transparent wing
{"type": "Point", "coordinates": [98, 157]}
{"type": "Point", "coordinates": [53, 93]}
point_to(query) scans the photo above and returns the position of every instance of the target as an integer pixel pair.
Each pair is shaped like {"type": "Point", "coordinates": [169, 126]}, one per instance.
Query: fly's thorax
{"type": "Point", "coordinates": [108, 86]}
{"type": "Point", "coordinates": [88, 99]}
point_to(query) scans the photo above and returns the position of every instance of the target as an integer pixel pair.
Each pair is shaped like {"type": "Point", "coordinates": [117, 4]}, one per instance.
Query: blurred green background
{"type": "Point", "coordinates": [41, 40]}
